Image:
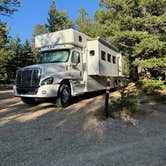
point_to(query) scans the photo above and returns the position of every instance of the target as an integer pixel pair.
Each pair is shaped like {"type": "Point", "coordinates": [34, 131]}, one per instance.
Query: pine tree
{"type": "Point", "coordinates": [19, 55]}
{"type": "Point", "coordinates": [3, 48]}
{"type": "Point", "coordinates": [14, 58]}
{"type": "Point", "coordinates": [83, 23]}
{"type": "Point", "coordinates": [8, 7]}
{"type": "Point", "coordinates": [38, 30]}
{"type": "Point", "coordinates": [27, 54]}
{"type": "Point", "coordinates": [57, 20]}
{"type": "Point", "coordinates": [137, 27]}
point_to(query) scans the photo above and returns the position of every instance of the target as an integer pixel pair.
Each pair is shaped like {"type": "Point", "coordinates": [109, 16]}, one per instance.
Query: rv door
{"type": "Point", "coordinates": [76, 64]}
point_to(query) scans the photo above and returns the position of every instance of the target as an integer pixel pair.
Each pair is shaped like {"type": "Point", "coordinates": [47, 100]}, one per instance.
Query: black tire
{"type": "Point", "coordinates": [64, 96]}
{"type": "Point", "coordinates": [28, 100]}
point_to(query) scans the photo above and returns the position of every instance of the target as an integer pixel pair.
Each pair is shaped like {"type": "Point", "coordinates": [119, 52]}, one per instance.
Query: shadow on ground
{"type": "Point", "coordinates": [47, 135]}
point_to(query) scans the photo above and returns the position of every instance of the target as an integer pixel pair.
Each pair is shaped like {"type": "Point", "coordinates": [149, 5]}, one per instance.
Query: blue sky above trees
{"type": "Point", "coordinates": [34, 12]}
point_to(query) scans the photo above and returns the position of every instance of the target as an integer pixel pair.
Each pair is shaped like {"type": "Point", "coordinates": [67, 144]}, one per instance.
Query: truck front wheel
{"type": "Point", "coordinates": [27, 100]}
{"type": "Point", "coordinates": [64, 96]}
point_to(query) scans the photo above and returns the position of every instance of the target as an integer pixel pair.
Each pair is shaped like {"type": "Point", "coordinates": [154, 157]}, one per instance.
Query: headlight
{"type": "Point", "coordinates": [47, 81]}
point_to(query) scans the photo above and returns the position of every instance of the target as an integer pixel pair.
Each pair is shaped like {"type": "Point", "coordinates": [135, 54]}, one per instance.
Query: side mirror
{"type": "Point", "coordinates": [75, 60]}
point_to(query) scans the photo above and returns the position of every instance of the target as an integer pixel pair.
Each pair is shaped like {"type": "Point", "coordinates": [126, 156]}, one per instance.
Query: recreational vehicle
{"type": "Point", "coordinates": [70, 63]}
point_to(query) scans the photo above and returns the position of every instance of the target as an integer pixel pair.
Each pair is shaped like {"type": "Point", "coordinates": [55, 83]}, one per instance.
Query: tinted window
{"type": "Point", "coordinates": [114, 59]}
{"type": "Point", "coordinates": [109, 57]}
{"type": "Point", "coordinates": [92, 53]}
{"type": "Point", "coordinates": [80, 39]}
{"type": "Point", "coordinates": [103, 55]}
{"type": "Point", "coordinates": [75, 57]}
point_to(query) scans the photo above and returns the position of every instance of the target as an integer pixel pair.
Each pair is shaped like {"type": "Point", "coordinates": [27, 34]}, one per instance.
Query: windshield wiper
{"type": "Point", "coordinates": [50, 62]}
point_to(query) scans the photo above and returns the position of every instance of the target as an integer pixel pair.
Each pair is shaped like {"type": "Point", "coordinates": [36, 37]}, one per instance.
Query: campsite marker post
{"type": "Point", "coordinates": [107, 97]}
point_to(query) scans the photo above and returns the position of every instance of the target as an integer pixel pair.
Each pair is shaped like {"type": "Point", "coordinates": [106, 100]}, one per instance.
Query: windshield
{"type": "Point", "coordinates": [54, 56]}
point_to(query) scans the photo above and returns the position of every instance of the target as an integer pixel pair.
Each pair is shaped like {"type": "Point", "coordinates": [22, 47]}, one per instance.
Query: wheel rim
{"type": "Point", "coordinates": [65, 95]}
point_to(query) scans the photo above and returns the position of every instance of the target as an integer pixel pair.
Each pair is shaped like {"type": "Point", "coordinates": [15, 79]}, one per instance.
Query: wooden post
{"type": "Point", "coordinates": [107, 97]}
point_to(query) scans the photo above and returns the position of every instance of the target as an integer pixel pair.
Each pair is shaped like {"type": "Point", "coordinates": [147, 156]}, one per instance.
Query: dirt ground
{"type": "Point", "coordinates": [44, 135]}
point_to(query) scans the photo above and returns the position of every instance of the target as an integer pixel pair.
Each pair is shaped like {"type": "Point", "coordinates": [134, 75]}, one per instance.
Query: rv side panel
{"type": "Point", "coordinates": [102, 60]}
{"type": "Point", "coordinates": [93, 57]}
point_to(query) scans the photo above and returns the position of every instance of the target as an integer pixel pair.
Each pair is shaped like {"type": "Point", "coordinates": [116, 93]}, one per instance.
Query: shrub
{"type": "Point", "coordinates": [151, 87]}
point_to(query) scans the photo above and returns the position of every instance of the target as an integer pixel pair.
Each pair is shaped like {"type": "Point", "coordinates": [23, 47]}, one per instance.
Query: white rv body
{"type": "Point", "coordinates": [97, 60]}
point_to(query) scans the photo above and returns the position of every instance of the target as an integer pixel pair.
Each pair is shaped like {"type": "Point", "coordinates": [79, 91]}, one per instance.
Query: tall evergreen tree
{"type": "Point", "coordinates": [38, 30]}
{"type": "Point", "coordinates": [27, 54]}
{"type": "Point", "coordinates": [3, 48]}
{"type": "Point", "coordinates": [13, 59]}
{"type": "Point", "coordinates": [8, 7]}
{"type": "Point", "coordinates": [57, 20]}
{"type": "Point", "coordinates": [19, 55]}
{"type": "Point", "coordinates": [137, 27]}
{"type": "Point", "coordinates": [83, 23]}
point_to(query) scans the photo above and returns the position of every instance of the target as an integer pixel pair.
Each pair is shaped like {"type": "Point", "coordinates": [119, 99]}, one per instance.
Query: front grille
{"type": "Point", "coordinates": [27, 91]}
{"type": "Point", "coordinates": [27, 80]}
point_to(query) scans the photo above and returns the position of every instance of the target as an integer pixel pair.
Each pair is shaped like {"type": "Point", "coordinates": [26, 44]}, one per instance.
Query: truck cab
{"type": "Point", "coordinates": [53, 76]}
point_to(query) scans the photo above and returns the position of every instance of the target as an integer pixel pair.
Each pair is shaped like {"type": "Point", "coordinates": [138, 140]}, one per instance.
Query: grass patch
{"type": "Point", "coordinates": [123, 108]}
{"type": "Point", "coordinates": [151, 87]}
{"type": "Point", "coordinates": [128, 104]}
{"type": "Point", "coordinates": [154, 88]}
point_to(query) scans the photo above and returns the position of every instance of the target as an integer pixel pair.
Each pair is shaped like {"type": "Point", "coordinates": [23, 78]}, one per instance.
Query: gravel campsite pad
{"type": "Point", "coordinates": [45, 135]}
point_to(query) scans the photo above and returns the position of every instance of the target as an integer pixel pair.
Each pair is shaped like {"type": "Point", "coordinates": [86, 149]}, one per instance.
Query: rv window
{"type": "Point", "coordinates": [103, 55]}
{"type": "Point", "coordinates": [109, 57]}
{"type": "Point", "coordinates": [80, 39]}
{"type": "Point", "coordinates": [92, 52]}
{"type": "Point", "coordinates": [114, 59]}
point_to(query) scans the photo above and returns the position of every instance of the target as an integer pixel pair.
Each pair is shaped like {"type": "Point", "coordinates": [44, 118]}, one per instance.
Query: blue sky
{"type": "Point", "coordinates": [34, 12]}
